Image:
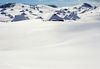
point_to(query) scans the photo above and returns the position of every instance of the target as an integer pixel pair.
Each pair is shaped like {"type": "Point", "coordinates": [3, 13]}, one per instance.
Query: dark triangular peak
{"type": "Point", "coordinates": [20, 18]}
{"type": "Point", "coordinates": [23, 13]}
{"type": "Point", "coordinates": [8, 5]}
{"type": "Point", "coordinates": [54, 6]}
{"type": "Point", "coordinates": [86, 5]}
{"type": "Point", "coordinates": [55, 14]}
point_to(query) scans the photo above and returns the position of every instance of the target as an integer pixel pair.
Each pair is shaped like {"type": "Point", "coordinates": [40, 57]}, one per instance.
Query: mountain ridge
{"type": "Point", "coordinates": [10, 10]}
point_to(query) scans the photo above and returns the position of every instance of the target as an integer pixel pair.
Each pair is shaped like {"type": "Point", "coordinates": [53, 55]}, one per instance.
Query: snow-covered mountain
{"type": "Point", "coordinates": [8, 12]}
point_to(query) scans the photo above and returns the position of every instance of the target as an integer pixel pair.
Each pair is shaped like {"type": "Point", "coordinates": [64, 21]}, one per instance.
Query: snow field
{"type": "Point", "coordinates": [49, 45]}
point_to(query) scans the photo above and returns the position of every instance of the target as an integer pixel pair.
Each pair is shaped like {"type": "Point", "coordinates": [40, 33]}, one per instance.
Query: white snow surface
{"type": "Point", "coordinates": [37, 44]}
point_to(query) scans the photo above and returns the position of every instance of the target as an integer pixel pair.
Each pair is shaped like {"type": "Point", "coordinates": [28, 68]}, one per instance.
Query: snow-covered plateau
{"type": "Point", "coordinates": [42, 37]}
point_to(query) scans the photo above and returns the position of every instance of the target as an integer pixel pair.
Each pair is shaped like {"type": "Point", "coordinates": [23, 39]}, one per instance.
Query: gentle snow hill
{"type": "Point", "coordinates": [31, 12]}
{"type": "Point", "coordinates": [35, 44]}
{"type": "Point", "coordinates": [92, 16]}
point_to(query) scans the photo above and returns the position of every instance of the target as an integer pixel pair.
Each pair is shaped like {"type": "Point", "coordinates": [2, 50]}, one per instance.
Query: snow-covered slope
{"type": "Point", "coordinates": [39, 11]}
{"type": "Point", "coordinates": [35, 44]}
{"type": "Point", "coordinates": [31, 12]}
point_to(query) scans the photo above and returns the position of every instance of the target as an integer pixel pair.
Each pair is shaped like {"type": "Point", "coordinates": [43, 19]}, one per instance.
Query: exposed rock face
{"type": "Point", "coordinates": [86, 5]}
{"type": "Point", "coordinates": [7, 5]}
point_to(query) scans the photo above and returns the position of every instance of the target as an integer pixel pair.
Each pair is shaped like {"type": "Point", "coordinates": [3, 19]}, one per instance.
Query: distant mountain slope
{"type": "Point", "coordinates": [10, 10]}
{"type": "Point", "coordinates": [54, 6]}
{"type": "Point", "coordinates": [7, 5]}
